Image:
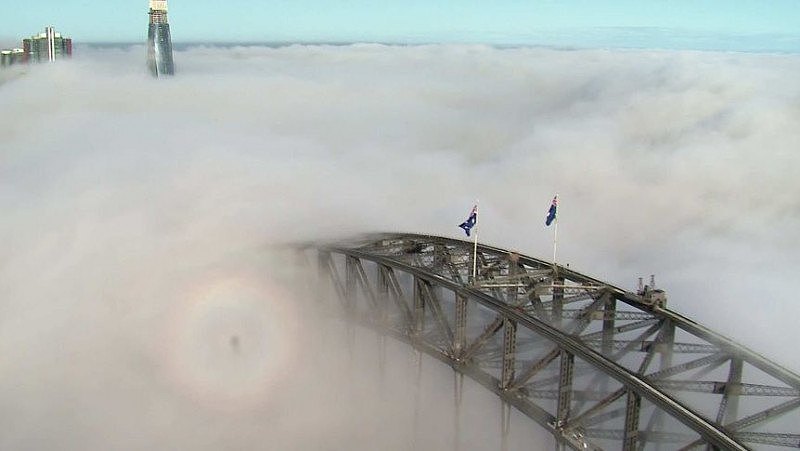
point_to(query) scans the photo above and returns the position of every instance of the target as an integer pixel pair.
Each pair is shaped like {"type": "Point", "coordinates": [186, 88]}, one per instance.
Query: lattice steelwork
{"type": "Point", "coordinates": [598, 367]}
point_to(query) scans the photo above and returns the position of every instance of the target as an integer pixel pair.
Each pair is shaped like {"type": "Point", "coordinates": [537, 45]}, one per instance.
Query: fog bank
{"type": "Point", "coordinates": [136, 212]}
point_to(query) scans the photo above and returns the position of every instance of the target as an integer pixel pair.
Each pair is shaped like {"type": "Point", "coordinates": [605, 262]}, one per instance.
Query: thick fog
{"type": "Point", "coordinates": [137, 213]}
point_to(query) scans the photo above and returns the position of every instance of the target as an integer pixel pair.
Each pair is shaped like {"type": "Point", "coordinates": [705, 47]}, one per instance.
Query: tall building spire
{"type": "Point", "coordinates": [159, 42]}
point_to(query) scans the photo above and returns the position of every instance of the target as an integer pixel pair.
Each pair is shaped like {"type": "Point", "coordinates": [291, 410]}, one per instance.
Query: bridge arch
{"type": "Point", "coordinates": [595, 365]}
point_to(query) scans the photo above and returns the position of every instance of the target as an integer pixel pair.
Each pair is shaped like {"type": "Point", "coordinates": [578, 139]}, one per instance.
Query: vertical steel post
{"type": "Point", "coordinates": [323, 275]}
{"type": "Point", "coordinates": [558, 300]}
{"type": "Point", "coordinates": [609, 317]}
{"type": "Point", "coordinates": [609, 321]}
{"type": "Point", "coordinates": [350, 284]}
{"type": "Point", "coordinates": [513, 269]}
{"type": "Point", "coordinates": [664, 347]}
{"type": "Point", "coordinates": [383, 295]}
{"type": "Point", "coordinates": [509, 353]}
{"type": "Point", "coordinates": [565, 388]}
{"type": "Point", "coordinates": [419, 307]}
{"type": "Point", "coordinates": [383, 308]}
{"type": "Point", "coordinates": [632, 408]}
{"type": "Point", "coordinates": [729, 406]}
{"type": "Point", "coordinates": [507, 374]}
{"type": "Point", "coordinates": [458, 393]}
{"type": "Point", "coordinates": [505, 424]}
{"type": "Point", "coordinates": [460, 336]}
{"type": "Point", "coordinates": [666, 344]}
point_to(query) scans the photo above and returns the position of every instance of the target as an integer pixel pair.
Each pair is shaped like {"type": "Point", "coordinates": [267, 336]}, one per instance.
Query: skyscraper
{"type": "Point", "coordinates": [159, 43]}
{"type": "Point", "coordinates": [47, 46]}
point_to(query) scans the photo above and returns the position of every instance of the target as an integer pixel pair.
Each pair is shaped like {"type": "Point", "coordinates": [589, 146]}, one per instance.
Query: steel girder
{"type": "Point", "coordinates": [615, 370]}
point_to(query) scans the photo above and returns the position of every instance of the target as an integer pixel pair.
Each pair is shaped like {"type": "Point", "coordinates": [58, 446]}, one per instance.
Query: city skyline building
{"type": "Point", "coordinates": [159, 41]}
{"type": "Point", "coordinates": [9, 57]}
{"type": "Point", "coordinates": [47, 46]}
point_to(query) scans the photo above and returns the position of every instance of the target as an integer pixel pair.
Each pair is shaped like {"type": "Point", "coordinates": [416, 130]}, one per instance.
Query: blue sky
{"type": "Point", "coordinates": [727, 25]}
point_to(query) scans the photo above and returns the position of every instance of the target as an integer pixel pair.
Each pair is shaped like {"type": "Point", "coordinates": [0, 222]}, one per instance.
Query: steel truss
{"type": "Point", "coordinates": [614, 370]}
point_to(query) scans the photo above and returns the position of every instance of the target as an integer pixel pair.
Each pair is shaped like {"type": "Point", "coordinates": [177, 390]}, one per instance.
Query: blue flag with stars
{"type": "Point", "coordinates": [551, 214]}
{"type": "Point", "coordinates": [471, 220]}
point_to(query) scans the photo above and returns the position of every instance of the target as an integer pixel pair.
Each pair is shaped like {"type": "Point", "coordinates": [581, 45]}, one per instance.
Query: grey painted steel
{"type": "Point", "coordinates": [527, 296]}
{"type": "Point", "coordinates": [632, 411]}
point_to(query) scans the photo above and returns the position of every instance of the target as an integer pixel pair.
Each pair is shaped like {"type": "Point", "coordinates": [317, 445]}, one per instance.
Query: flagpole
{"type": "Point", "coordinates": [555, 236]}
{"type": "Point", "coordinates": [475, 248]}
{"type": "Point", "coordinates": [555, 241]}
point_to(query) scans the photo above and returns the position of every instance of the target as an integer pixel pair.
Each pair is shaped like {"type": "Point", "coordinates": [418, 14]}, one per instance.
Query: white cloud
{"type": "Point", "coordinates": [121, 194]}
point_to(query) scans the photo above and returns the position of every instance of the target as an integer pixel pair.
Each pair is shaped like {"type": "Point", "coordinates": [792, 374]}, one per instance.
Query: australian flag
{"type": "Point", "coordinates": [471, 220]}
{"type": "Point", "coordinates": [551, 214]}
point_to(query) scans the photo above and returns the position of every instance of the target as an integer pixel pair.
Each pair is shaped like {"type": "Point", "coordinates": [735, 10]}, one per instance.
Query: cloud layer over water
{"type": "Point", "coordinates": [124, 197]}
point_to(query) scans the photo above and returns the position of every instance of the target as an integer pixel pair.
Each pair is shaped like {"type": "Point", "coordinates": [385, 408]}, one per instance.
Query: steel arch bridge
{"type": "Point", "coordinates": [595, 365]}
